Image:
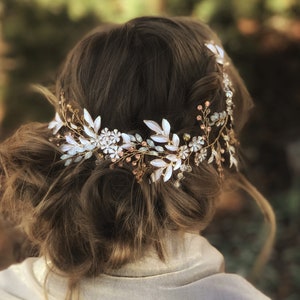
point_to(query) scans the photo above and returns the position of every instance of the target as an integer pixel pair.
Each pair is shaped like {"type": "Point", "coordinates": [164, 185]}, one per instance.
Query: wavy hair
{"type": "Point", "coordinates": [88, 218]}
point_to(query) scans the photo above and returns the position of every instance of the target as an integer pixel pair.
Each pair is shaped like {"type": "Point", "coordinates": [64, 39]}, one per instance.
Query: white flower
{"type": "Point", "coordinates": [196, 143]}
{"type": "Point", "coordinates": [115, 136]}
{"type": "Point", "coordinates": [106, 146]}
{"type": "Point", "coordinates": [114, 152]}
{"type": "Point", "coordinates": [109, 139]}
{"type": "Point", "coordinates": [56, 124]}
{"type": "Point", "coordinates": [105, 134]}
{"type": "Point", "coordinates": [184, 152]}
{"type": "Point", "coordinates": [218, 119]}
{"type": "Point", "coordinates": [200, 156]}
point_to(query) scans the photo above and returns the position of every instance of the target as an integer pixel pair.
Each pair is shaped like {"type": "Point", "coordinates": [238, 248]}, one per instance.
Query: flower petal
{"type": "Point", "coordinates": [233, 161]}
{"type": "Point", "coordinates": [175, 140]}
{"type": "Point", "coordinates": [127, 146]}
{"type": "Point", "coordinates": [56, 120]}
{"type": "Point", "coordinates": [138, 137]}
{"type": "Point", "coordinates": [177, 164]}
{"type": "Point", "coordinates": [168, 173]}
{"type": "Point", "coordinates": [88, 155]}
{"type": "Point", "coordinates": [65, 156]}
{"type": "Point", "coordinates": [132, 138]}
{"type": "Point", "coordinates": [52, 124]}
{"type": "Point", "coordinates": [83, 141]}
{"type": "Point", "coordinates": [74, 150]}
{"type": "Point", "coordinates": [126, 138]}
{"type": "Point", "coordinates": [159, 163]}
{"type": "Point", "coordinates": [166, 127]}
{"type": "Point", "coordinates": [78, 159]}
{"type": "Point", "coordinates": [70, 140]}
{"type": "Point", "coordinates": [211, 47]}
{"type": "Point", "coordinates": [171, 147]}
{"type": "Point", "coordinates": [143, 149]}
{"type": "Point", "coordinates": [89, 147]}
{"type": "Point", "coordinates": [156, 174]}
{"type": "Point", "coordinates": [68, 162]}
{"type": "Point", "coordinates": [172, 157]}
{"type": "Point", "coordinates": [89, 132]}
{"type": "Point", "coordinates": [220, 51]}
{"type": "Point", "coordinates": [56, 124]}
{"type": "Point", "coordinates": [153, 126]}
{"type": "Point", "coordinates": [88, 118]}
{"type": "Point", "coordinates": [154, 153]}
{"type": "Point", "coordinates": [150, 143]}
{"type": "Point", "coordinates": [159, 138]}
{"type": "Point", "coordinates": [66, 147]}
{"type": "Point", "coordinates": [97, 124]}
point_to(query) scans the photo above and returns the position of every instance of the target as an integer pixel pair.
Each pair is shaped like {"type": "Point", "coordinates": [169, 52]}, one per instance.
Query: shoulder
{"type": "Point", "coordinates": [225, 286]}
{"type": "Point", "coordinates": [18, 282]}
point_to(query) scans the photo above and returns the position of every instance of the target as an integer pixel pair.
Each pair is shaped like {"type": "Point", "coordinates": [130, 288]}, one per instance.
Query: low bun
{"type": "Point", "coordinates": [87, 218]}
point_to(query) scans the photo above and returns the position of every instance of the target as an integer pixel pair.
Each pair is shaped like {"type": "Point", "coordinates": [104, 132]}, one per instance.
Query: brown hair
{"type": "Point", "coordinates": [87, 218]}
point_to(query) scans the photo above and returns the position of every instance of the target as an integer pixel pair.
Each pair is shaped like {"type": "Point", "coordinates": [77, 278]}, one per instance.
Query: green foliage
{"type": "Point", "coordinates": [39, 40]}
{"type": "Point", "coordinates": [112, 10]}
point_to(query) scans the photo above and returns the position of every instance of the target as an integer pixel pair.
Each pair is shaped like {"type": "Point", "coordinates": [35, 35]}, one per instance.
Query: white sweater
{"type": "Point", "coordinates": [193, 270]}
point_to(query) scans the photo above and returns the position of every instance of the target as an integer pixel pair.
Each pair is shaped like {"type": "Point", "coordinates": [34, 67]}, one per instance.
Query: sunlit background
{"type": "Point", "coordinates": [263, 39]}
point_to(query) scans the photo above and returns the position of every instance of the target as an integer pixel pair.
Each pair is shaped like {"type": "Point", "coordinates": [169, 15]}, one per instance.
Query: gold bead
{"type": "Point", "coordinates": [180, 175]}
{"type": "Point", "coordinates": [186, 137]}
{"type": "Point", "coordinates": [177, 184]}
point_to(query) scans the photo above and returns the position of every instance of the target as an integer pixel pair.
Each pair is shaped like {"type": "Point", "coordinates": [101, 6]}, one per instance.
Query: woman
{"type": "Point", "coordinates": [116, 189]}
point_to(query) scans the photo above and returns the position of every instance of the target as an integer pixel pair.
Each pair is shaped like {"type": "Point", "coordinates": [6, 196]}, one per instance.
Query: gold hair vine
{"type": "Point", "coordinates": [163, 152]}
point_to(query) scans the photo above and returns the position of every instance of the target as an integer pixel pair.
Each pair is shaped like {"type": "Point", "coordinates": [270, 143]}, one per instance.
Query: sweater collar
{"type": "Point", "coordinates": [183, 252]}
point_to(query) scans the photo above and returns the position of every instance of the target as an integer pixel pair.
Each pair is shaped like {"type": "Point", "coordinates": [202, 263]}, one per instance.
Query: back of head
{"type": "Point", "coordinates": [91, 216]}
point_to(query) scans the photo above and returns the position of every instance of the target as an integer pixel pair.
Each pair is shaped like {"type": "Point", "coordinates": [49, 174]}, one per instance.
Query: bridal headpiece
{"type": "Point", "coordinates": [163, 153]}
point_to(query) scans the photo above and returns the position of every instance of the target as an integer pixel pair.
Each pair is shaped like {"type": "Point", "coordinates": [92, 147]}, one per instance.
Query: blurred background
{"type": "Point", "coordinates": [263, 39]}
